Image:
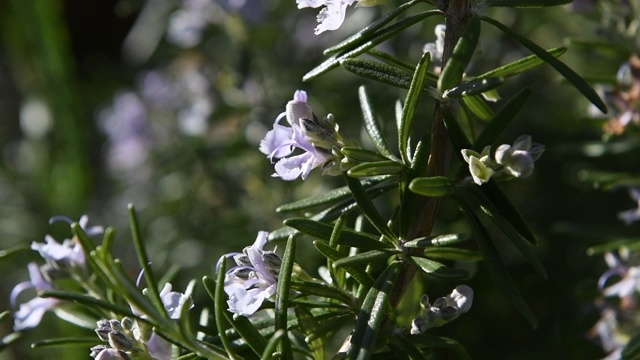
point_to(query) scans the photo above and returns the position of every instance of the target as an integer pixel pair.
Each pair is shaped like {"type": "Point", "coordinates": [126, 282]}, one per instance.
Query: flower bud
{"type": "Point", "coordinates": [120, 341]}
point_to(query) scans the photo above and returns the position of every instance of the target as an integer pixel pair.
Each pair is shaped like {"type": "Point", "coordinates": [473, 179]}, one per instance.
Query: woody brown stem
{"type": "Point", "coordinates": [457, 15]}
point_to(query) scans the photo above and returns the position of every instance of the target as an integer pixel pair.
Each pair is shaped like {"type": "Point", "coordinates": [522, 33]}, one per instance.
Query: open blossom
{"type": "Point", "coordinates": [69, 252]}
{"type": "Point", "coordinates": [632, 215]}
{"type": "Point", "coordinates": [30, 313]}
{"type": "Point", "coordinates": [518, 158]}
{"type": "Point", "coordinates": [254, 279]}
{"type": "Point", "coordinates": [315, 138]}
{"type": "Point", "coordinates": [445, 309]}
{"type": "Point", "coordinates": [332, 14]}
{"type": "Point", "coordinates": [481, 166]}
{"type": "Point", "coordinates": [509, 161]}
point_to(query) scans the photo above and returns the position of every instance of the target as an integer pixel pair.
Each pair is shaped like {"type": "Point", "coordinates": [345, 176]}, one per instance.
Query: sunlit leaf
{"type": "Point", "coordinates": [308, 323]}
{"type": "Point", "coordinates": [452, 253]}
{"type": "Point", "coordinates": [438, 240]}
{"type": "Point", "coordinates": [372, 125]}
{"type": "Point", "coordinates": [434, 186]}
{"type": "Point", "coordinates": [438, 270]}
{"type": "Point", "coordinates": [478, 106]}
{"type": "Point", "coordinates": [375, 39]}
{"type": "Point", "coordinates": [387, 167]}
{"type": "Point", "coordinates": [521, 65]}
{"type": "Point", "coordinates": [282, 295]}
{"type": "Point", "coordinates": [453, 70]}
{"type": "Point", "coordinates": [473, 87]}
{"type": "Point", "coordinates": [410, 105]}
{"type": "Point", "coordinates": [375, 309]}
{"type": "Point", "coordinates": [364, 258]}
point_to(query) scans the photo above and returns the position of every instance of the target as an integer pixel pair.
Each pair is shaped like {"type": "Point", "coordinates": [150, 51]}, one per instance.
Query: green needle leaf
{"type": "Point", "coordinates": [410, 105]}
{"type": "Point", "coordinates": [463, 51]}
{"type": "Point", "coordinates": [357, 272]}
{"type": "Point", "coordinates": [560, 67]}
{"type": "Point", "coordinates": [497, 270]}
{"type": "Point", "coordinates": [473, 87]}
{"type": "Point", "coordinates": [347, 236]}
{"type": "Point", "coordinates": [435, 186]}
{"type": "Point", "coordinates": [438, 270]}
{"type": "Point", "coordinates": [521, 65]}
{"type": "Point", "coordinates": [387, 167]}
{"type": "Point", "coordinates": [371, 124]}
{"type": "Point", "coordinates": [367, 208]}
{"type": "Point", "coordinates": [501, 120]}
{"type": "Point", "coordinates": [376, 38]}
{"type": "Point", "coordinates": [216, 292]}
{"type": "Point", "coordinates": [375, 309]}
{"type": "Point", "coordinates": [282, 295]}
{"type": "Point", "coordinates": [143, 259]}
{"type": "Point", "coordinates": [363, 35]}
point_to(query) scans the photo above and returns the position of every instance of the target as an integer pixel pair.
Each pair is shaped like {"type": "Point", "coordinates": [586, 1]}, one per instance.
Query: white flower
{"type": "Point", "coordinates": [481, 167]}
{"type": "Point", "coordinates": [436, 48]}
{"type": "Point", "coordinates": [254, 279]}
{"type": "Point", "coordinates": [331, 16]}
{"type": "Point", "coordinates": [631, 215]}
{"type": "Point", "coordinates": [445, 309]}
{"type": "Point", "coordinates": [518, 158]}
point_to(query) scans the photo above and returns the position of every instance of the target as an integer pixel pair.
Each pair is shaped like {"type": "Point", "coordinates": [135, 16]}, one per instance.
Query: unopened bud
{"type": "Point", "coordinates": [120, 341]}
{"type": "Point", "coordinates": [112, 354]}
{"type": "Point", "coordinates": [127, 323]}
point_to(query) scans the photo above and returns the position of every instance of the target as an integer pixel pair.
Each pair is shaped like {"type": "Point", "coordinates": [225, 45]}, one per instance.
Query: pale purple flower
{"type": "Point", "coordinates": [313, 137]}
{"type": "Point", "coordinates": [629, 282]}
{"type": "Point", "coordinates": [632, 215]}
{"type": "Point", "coordinates": [518, 159]}
{"type": "Point", "coordinates": [174, 301]}
{"type": "Point", "coordinates": [331, 15]}
{"type": "Point", "coordinates": [30, 313]}
{"type": "Point", "coordinates": [254, 279]}
{"type": "Point", "coordinates": [70, 251]}
{"type": "Point", "coordinates": [445, 309]}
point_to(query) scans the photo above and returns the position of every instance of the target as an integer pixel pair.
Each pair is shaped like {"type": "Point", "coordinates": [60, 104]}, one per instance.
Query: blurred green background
{"type": "Point", "coordinates": [163, 103]}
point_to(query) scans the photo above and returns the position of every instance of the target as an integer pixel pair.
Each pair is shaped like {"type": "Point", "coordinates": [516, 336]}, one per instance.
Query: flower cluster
{"type": "Point", "coordinates": [132, 339]}
{"type": "Point", "coordinates": [445, 309]}
{"type": "Point", "coordinates": [123, 343]}
{"type": "Point", "coordinates": [254, 279]}
{"type": "Point", "coordinates": [623, 98]}
{"type": "Point", "coordinates": [510, 161]}
{"type": "Point", "coordinates": [315, 138]}
{"type": "Point", "coordinates": [62, 261]}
